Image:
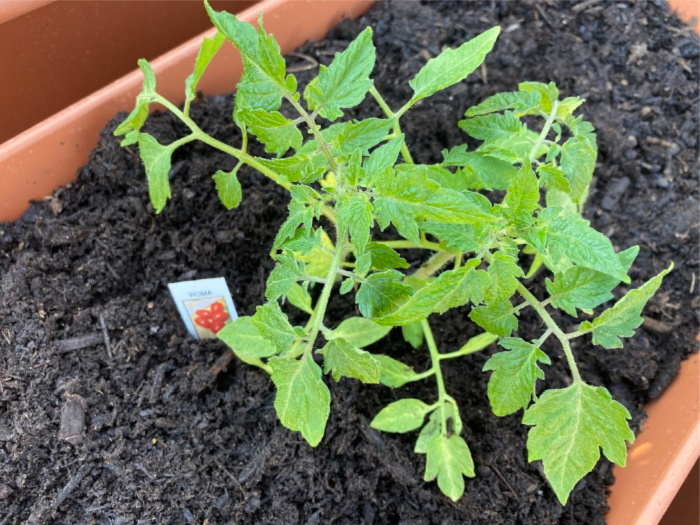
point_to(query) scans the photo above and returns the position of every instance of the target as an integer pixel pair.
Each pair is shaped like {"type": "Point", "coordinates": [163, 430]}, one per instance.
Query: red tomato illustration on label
{"type": "Point", "coordinates": [214, 318]}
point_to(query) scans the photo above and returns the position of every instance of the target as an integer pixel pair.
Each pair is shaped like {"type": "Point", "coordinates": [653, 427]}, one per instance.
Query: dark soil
{"type": "Point", "coordinates": [110, 413]}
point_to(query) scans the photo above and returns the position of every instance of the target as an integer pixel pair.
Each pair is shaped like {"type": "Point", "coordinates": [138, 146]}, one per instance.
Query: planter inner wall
{"type": "Point", "coordinates": [59, 52]}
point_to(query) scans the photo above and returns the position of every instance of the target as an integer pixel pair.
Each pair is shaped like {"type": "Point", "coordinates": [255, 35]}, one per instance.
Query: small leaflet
{"type": "Point", "coordinates": [205, 306]}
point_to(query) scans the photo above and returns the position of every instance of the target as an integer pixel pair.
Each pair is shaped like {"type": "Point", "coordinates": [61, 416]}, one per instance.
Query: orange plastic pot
{"type": "Point", "coordinates": [48, 155]}
{"type": "Point", "coordinates": [55, 53]}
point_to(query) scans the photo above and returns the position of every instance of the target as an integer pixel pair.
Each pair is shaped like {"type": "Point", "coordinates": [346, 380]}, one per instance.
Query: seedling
{"type": "Point", "coordinates": [360, 177]}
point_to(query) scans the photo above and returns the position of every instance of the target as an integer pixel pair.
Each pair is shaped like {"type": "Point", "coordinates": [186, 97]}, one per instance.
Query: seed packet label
{"type": "Point", "coordinates": [205, 305]}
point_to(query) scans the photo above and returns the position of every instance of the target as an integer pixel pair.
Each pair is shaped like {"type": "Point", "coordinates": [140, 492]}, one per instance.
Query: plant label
{"type": "Point", "coordinates": [205, 305]}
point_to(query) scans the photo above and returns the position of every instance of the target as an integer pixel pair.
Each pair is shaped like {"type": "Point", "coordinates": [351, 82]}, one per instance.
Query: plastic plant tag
{"type": "Point", "coordinates": [205, 305]}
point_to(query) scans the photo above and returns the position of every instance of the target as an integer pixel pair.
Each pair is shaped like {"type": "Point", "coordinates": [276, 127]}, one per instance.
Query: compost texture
{"type": "Point", "coordinates": [110, 413]}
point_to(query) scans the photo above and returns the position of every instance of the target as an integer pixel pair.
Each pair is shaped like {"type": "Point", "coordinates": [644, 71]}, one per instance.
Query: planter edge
{"type": "Point", "coordinates": [663, 454]}
{"type": "Point", "coordinates": [48, 155]}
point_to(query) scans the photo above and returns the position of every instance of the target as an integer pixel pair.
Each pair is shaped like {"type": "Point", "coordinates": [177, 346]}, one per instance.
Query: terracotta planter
{"type": "Point", "coordinates": [48, 155]}
{"type": "Point", "coordinates": [55, 53]}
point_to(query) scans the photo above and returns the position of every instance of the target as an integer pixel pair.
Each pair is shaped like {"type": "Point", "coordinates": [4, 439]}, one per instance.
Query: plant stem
{"type": "Point", "coordinates": [397, 127]}
{"type": "Point", "coordinates": [314, 131]}
{"type": "Point", "coordinates": [436, 262]}
{"type": "Point", "coordinates": [400, 245]}
{"type": "Point", "coordinates": [543, 337]}
{"type": "Point", "coordinates": [234, 152]}
{"type": "Point", "coordinates": [239, 154]}
{"type": "Point", "coordinates": [435, 358]}
{"type": "Point", "coordinates": [551, 325]}
{"type": "Point", "coordinates": [545, 130]}
{"type": "Point", "coordinates": [322, 304]}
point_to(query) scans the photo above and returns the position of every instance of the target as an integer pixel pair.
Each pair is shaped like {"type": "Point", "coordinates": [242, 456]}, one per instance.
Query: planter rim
{"type": "Point", "coordinates": [48, 155]}
{"type": "Point", "coordinates": [662, 455]}
{"type": "Point", "coordinates": [66, 138]}
{"type": "Point", "coordinates": [10, 9]}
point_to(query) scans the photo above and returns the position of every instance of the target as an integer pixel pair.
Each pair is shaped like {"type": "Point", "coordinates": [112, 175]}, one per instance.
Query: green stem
{"type": "Point", "coordinates": [239, 154]}
{"type": "Point", "coordinates": [397, 127]}
{"type": "Point", "coordinates": [407, 245]}
{"type": "Point", "coordinates": [322, 304]}
{"type": "Point", "coordinates": [543, 337]}
{"type": "Point", "coordinates": [551, 325]}
{"type": "Point", "coordinates": [545, 130]}
{"type": "Point", "coordinates": [436, 262]}
{"type": "Point", "coordinates": [315, 131]}
{"type": "Point", "coordinates": [234, 152]}
{"type": "Point", "coordinates": [351, 275]}
{"type": "Point", "coordinates": [435, 358]}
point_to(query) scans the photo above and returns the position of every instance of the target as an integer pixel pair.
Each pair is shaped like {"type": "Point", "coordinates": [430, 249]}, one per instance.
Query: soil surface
{"type": "Point", "coordinates": [111, 413]}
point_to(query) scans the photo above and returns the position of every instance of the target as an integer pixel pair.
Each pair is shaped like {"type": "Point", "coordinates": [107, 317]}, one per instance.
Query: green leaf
{"type": "Point", "coordinates": [285, 274]}
{"type": "Point", "coordinates": [263, 83]}
{"type": "Point", "coordinates": [572, 238]}
{"type": "Point", "coordinates": [276, 132]}
{"type": "Point", "coordinates": [139, 114]}
{"type": "Point", "coordinates": [318, 261]}
{"type": "Point", "coordinates": [488, 171]}
{"type": "Point", "coordinates": [304, 241]}
{"type": "Point", "coordinates": [477, 343]}
{"type": "Point", "coordinates": [408, 196]}
{"type": "Point", "coordinates": [300, 167]}
{"type": "Point", "coordinates": [413, 334]}
{"type": "Point", "coordinates": [625, 316]}
{"type": "Point", "coordinates": [503, 272]}
{"type": "Point", "coordinates": [562, 200]}
{"type": "Point", "coordinates": [448, 459]}
{"type": "Point", "coordinates": [383, 158]}
{"type": "Point", "coordinates": [568, 106]}
{"type": "Point", "coordinates": [346, 81]}
{"type": "Point", "coordinates": [578, 156]}
{"type": "Point", "coordinates": [452, 65]}
{"type": "Point", "coordinates": [363, 264]}
{"type": "Point", "coordinates": [346, 360]}
{"type": "Point", "coordinates": [299, 214]}
{"type": "Point", "coordinates": [463, 238]}
{"type": "Point", "coordinates": [570, 426]}
{"type": "Point", "coordinates": [299, 297]}
{"type": "Point", "coordinates": [384, 258]}
{"type": "Point", "coordinates": [393, 373]}
{"type": "Point", "coordinates": [243, 337]}
{"type": "Point", "coordinates": [361, 135]}
{"type": "Point", "coordinates": [584, 288]}
{"type": "Point", "coordinates": [451, 289]}
{"type": "Point", "coordinates": [494, 126]}
{"type": "Point", "coordinates": [207, 51]}
{"type": "Point", "coordinates": [303, 400]}
{"type": "Point", "coordinates": [515, 372]}
{"type": "Point", "coordinates": [274, 325]}
{"type": "Point", "coordinates": [156, 160]}
{"type": "Point", "coordinates": [446, 179]}
{"type": "Point", "coordinates": [229, 188]}
{"type": "Point", "coordinates": [401, 416]}
{"type": "Point", "coordinates": [548, 93]}
{"type": "Point", "coordinates": [382, 293]}
{"type": "Point", "coordinates": [355, 215]}
{"type": "Point", "coordinates": [497, 318]}
{"type": "Point", "coordinates": [523, 196]}
{"type": "Point", "coordinates": [553, 178]}
{"type": "Point", "coordinates": [521, 102]}
{"type": "Point", "coordinates": [434, 426]}
{"type": "Point", "coordinates": [359, 332]}
{"type": "Point", "coordinates": [346, 286]}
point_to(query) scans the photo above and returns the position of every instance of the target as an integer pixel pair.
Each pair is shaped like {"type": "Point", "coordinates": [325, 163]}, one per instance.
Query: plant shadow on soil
{"type": "Point", "coordinates": [152, 426]}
